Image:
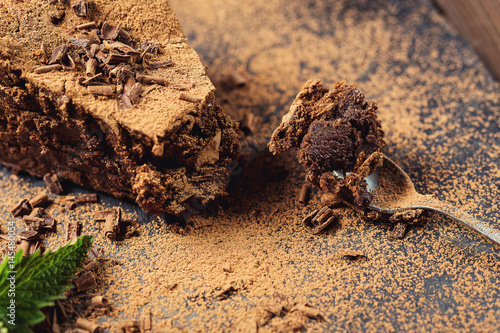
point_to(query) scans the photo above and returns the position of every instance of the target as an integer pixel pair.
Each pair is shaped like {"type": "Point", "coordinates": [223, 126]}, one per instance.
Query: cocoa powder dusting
{"type": "Point", "coordinates": [246, 263]}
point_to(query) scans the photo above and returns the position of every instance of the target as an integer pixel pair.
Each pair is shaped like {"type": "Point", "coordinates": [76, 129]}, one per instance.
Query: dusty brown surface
{"type": "Point", "coordinates": [247, 262]}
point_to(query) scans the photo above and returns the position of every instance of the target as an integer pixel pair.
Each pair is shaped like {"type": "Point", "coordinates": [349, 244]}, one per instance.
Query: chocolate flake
{"type": "Point", "coordinates": [53, 183]}
{"type": "Point", "coordinates": [91, 79]}
{"type": "Point", "coordinates": [318, 220]}
{"type": "Point", "coordinates": [92, 266]}
{"type": "Point", "coordinates": [85, 281]}
{"type": "Point", "coordinates": [96, 252]}
{"type": "Point", "coordinates": [105, 90]}
{"type": "Point", "coordinates": [73, 230]}
{"type": "Point", "coordinates": [162, 64]}
{"type": "Point", "coordinates": [39, 200]}
{"type": "Point", "coordinates": [57, 53]}
{"type": "Point", "coordinates": [305, 194]}
{"type": "Point", "coordinates": [23, 208]}
{"type": "Point", "coordinates": [37, 212]}
{"type": "Point", "coordinates": [48, 222]}
{"type": "Point", "coordinates": [25, 247]}
{"type": "Point", "coordinates": [99, 301]}
{"type": "Point", "coordinates": [67, 62]}
{"type": "Point", "coordinates": [134, 93]}
{"type": "Point", "coordinates": [35, 246]}
{"type": "Point", "coordinates": [113, 221]}
{"type": "Point", "coordinates": [80, 8]}
{"type": "Point", "coordinates": [147, 79]}
{"type": "Point", "coordinates": [399, 231]}
{"type": "Point", "coordinates": [190, 98]}
{"type": "Point", "coordinates": [351, 254]}
{"type": "Point", "coordinates": [109, 31]}
{"type": "Point", "coordinates": [101, 216]}
{"type": "Point", "coordinates": [85, 198]}
{"type": "Point", "coordinates": [116, 58]}
{"type": "Point", "coordinates": [48, 68]}
{"type": "Point", "coordinates": [88, 325]}
{"type": "Point", "coordinates": [91, 67]}
{"type": "Point", "coordinates": [32, 222]}
{"type": "Point", "coordinates": [28, 234]}
{"type": "Point", "coordinates": [78, 42]}
{"type": "Point", "coordinates": [87, 26]}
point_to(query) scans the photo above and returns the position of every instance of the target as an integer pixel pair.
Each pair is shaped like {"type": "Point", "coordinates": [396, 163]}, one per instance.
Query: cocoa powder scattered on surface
{"type": "Point", "coordinates": [440, 111]}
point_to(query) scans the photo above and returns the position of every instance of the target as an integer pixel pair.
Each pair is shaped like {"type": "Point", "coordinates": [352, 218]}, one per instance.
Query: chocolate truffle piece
{"type": "Point", "coordinates": [335, 130]}
{"type": "Point", "coordinates": [74, 121]}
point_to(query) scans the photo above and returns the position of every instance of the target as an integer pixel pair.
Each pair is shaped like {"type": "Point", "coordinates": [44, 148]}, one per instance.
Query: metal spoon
{"type": "Point", "coordinates": [393, 191]}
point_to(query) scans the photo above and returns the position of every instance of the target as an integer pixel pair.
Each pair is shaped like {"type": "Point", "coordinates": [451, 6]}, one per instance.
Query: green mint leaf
{"type": "Point", "coordinates": [39, 280]}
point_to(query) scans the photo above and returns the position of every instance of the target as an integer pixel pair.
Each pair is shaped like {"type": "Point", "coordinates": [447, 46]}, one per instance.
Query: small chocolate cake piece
{"type": "Point", "coordinates": [114, 99]}
{"type": "Point", "coordinates": [335, 130]}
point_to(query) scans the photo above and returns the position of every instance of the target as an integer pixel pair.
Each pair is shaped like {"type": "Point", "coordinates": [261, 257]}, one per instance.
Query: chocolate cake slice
{"type": "Point", "coordinates": [108, 94]}
{"type": "Point", "coordinates": [335, 129]}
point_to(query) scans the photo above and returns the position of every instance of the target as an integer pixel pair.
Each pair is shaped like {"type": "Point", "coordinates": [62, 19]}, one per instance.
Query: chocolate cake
{"type": "Point", "coordinates": [335, 130]}
{"type": "Point", "coordinates": [152, 132]}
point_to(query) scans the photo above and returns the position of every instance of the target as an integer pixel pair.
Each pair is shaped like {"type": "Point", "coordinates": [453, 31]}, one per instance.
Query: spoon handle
{"type": "Point", "coordinates": [487, 229]}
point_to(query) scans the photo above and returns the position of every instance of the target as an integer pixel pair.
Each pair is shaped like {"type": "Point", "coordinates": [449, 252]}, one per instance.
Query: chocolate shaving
{"type": "Point", "coordinates": [109, 31]}
{"type": "Point", "coordinates": [116, 58]}
{"type": "Point", "coordinates": [190, 98]}
{"type": "Point", "coordinates": [105, 90]}
{"type": "Point", "coordinates": [305, 194]}
{"type": "Point", "coordinates": [96, 252]}
{"type": "Point", "coordinates": [72, 230]}
{"type": "Point", "coordinates": [48, 222]}
{"type": "Point", "coordinates": [23, 208]}
{"type": "Point", "coordinates": [25, 247]}
{"type": "Point", "coordinates": [57, 54]}
{"type": "Point", "coordinates": [80, 8]}
{"type": "Point", "coordinates": [35, 246]}
{"type": "Point", "coordinates": [134, 93]}
{"type": "Point", "coordinates": [28, 234]}
{"type": "Point", "coordinates": [99, 301]}
{"type": "Point", "coordinates": [94, 39]}
{"type": "Point", "coordinates": [150, 47]}
{"type": "Point", "coordinates": [162, 64]}
{"type": "Point", "coordinates": [318, 220]}
{"type": "Point", "coordinates": [91, 67]}
{"type": "Point", "coordinates": [39, 200]}
{"type": "Point", "coordinates": [86, 198]}
{"type": "Point", "coordinates": [85, 281]}
{"type": "Point", "coordinates": [87, 26]}
{"type": "Point", "coordinates": [101, 216]}
{"type": "Point", "coordinates": [123, 102]}
{"type": "Point", "coordinates": [127, 49]}
{"type": "Point", "coordinates": [53, 183]}
{"type": "Point", "coordinates": [113, 221]}
{"type": "Point", "coordinates": [37, 212]}
{"type": "Point", "coordinates": [351, 254]}
{"type": "Point", "coordinates": [91, 79]}
{"type": "Point", "coordinates": [67, 62]}
{"type": "Point", "coordinates": [49, 68]}
{"type": "Point", "coordinates": [32, 222]}
{"type": "Point", "coordinates": [92, 266]}
{"type": "Point", "coordinates": [399, 231]}
{"type": "Point", "coordinates": [148, 79]}
{"type": "Point", "coordinates": [78, 42]}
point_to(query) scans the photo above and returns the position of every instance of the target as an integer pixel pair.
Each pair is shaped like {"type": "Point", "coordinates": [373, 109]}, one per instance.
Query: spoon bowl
{"type": "Point", "coordinates": [393, 192]}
